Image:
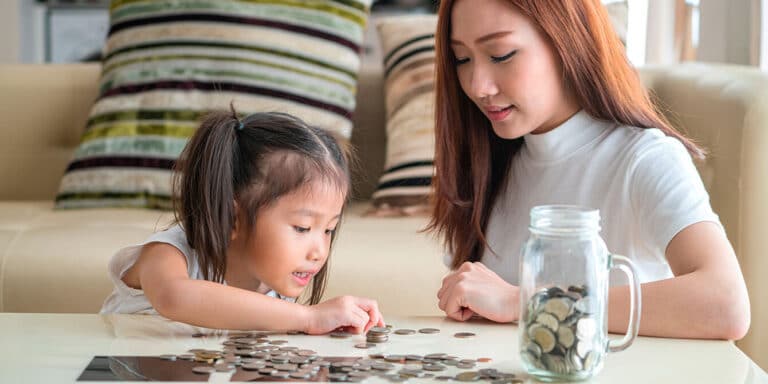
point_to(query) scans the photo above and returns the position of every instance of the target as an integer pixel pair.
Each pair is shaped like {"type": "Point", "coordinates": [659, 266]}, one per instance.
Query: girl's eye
{"type": "Point", "coordinates": [330, 231]}
{"type": "Point", "coordinates": [460, 61]}
{"type": "Point", "coordinates": [499, 59]}
{"type": "Point", "coordinates": [301, 229]}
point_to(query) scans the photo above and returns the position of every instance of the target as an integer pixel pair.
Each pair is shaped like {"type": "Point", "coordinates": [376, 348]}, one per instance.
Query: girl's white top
{"type": "Point", "coordinates": [125, 299]}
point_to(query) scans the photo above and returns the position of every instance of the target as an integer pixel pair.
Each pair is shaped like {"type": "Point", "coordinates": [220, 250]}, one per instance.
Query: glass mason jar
{"type": "Point", "coordinates": [564, 279]}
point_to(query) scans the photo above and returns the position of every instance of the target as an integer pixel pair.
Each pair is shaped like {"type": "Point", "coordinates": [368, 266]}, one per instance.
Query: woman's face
{"type": "Point", "coordinates": [508, 68]}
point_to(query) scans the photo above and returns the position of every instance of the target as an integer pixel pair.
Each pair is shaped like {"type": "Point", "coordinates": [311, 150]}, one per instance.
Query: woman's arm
{"type": "Point", "coordinates": [706, 299]}
{"type": "Point", "coordinates": [162, 273]}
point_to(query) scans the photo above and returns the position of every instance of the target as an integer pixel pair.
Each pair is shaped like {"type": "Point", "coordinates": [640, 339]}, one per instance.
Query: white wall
{"type": "Point", "coordinates": [9, 31]}
{"type": "Point", "coordinates": [660, 44]}
{"type": "Point", "coordinates": [726, 31]}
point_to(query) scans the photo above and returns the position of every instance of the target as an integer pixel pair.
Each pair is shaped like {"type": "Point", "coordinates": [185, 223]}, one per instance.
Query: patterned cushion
{"type": "Point", "coordinates": [168, 62]}
{"type": "Point", "coordinates": [408, 44]}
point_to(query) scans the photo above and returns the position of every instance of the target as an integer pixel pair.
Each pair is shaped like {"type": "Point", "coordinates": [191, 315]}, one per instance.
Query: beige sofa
{"type": "Point", "coordinates": [55, 261]}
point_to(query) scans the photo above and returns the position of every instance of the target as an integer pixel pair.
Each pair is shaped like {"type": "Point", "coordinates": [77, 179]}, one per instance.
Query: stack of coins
{"type": "Point", "coordinates": [560, 331]}
{"type": "Point", "coordinates": [377, 335]}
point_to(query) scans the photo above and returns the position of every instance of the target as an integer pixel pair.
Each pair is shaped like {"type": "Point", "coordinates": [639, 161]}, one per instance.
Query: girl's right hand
{"type": "Point", "coordinates": [354, 313]}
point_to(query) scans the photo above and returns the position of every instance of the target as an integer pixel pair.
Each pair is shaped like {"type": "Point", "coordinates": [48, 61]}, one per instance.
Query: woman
{"type": "Point", "coordinates": [537, 104]}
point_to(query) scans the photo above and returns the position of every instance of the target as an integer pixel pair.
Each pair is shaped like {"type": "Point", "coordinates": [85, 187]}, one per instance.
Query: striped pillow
{"type": "Point", "coordinates": [408, 44]}
{"type": "Point", "coordinates": [168, 62]}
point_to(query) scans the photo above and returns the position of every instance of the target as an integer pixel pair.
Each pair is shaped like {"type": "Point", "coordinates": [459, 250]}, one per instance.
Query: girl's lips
{"type": "Point", "coordinates": [497, 114]}
{"type": "Point", "coordinates": [302, 278]}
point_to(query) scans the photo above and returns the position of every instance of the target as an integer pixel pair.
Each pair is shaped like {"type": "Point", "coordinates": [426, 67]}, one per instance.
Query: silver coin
{"type": "Point", "coordinates": [337, 377]}
{"type": "Point", "coordinates": [404, 332]}
{"type": "Point", "coordinates": [365, 345]}
{"type": "Point", "coordinates": [224, 367]}
{"type": "Point", "coordinates": [464, 335]}
{"type": "Point", "coordinates": [306, 352]}
{"type": "Point", "coordinates": [434, 367]}
{"type": "Point", "coordinates": [429, 330]}
{"type": "Point", "coordinates": [286, 367]}
{"type": "Point", "coordinates": [299, 375]}
{"type": "Point", "coordinates": [281, 374]}
{"type": "Point", "coordinates": [382, 366]}
{"type": "Point", "coordinates": [298, 360]}
{"type": "Point", "coordinates": [186, 356]}
{"type": "Point", "coordinates": [254, 366]}
{"type": "Point", "coordinates": [168, 357]}
{"type": "Point", "coordinates": [340, 335]}
{"type": "Point", "coordinates": [586, 328]}
{"type": "Point", "coordinates": [203, 369]}
{"type": "Point", "coordinates": [383, 330]}
{"type": "Point", "coordinates": [468, 376]}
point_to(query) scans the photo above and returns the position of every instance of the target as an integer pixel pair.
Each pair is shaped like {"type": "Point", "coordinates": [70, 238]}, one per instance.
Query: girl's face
{"type": "Point", "coordinates": [291, 239]}
{"type": "Point", "coordinates": [508, 68]}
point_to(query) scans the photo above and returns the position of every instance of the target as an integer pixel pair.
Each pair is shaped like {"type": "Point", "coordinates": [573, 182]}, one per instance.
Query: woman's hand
{"type": "Point", "coordinates": [356, 314]}
{"type": "Point", "coordinates": [475, 289]}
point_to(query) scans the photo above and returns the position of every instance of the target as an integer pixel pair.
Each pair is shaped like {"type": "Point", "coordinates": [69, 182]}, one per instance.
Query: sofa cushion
{"type": "Point", "coordinates": [165, 65]}
{"type": "Point", "coordinates": [408, 45]}
{"type": "Point", "coordinates": [56, 260]}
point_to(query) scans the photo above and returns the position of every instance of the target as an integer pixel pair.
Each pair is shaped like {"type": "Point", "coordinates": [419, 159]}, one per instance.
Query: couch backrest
{"type": "Point", "coordinates": [725, 108]}
{"type": "Point", "coordinates": [43, 109]}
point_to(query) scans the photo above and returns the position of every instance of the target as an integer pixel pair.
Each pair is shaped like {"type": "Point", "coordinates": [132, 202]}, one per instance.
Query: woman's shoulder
{"type": "Point", "coordinates": [639, 143]}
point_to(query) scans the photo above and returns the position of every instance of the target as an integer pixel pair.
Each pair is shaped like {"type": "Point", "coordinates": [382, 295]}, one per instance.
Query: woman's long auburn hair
{"type": "Point", "coordinates": [472, 163]}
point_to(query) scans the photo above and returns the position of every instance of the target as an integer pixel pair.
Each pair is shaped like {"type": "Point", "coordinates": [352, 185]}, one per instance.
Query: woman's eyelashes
{"type": "Point", "coordinates": [495, 59]}
{"type": "Point", "coordinates": [501, 59]}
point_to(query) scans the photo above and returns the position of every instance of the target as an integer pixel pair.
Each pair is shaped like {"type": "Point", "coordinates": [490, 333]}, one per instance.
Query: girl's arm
{"type": "Point", "coordinates": [162, 274]}
{"type": "Point", "coordinates": [707, 298]}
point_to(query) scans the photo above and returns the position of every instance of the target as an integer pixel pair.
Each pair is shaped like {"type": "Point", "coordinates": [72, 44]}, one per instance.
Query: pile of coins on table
{"type": "Point", "coordinates": [559, 330]}
{"type": "Point", "coordinates": [268, 359]}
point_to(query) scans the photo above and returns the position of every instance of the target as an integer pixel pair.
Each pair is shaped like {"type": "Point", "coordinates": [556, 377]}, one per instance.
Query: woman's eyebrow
{"type": "Point", "coordinates": [482, 39]}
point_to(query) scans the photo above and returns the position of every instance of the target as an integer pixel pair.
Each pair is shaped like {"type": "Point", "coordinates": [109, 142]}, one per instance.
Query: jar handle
{"type": "Point", "coordinates": [625, 265]}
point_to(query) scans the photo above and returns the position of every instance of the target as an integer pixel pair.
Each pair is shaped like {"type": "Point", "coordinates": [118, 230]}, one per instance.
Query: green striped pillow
{"type": "Point", "coordinates": [168, 62]}
{"type": "Point", "coordinates": [408, 44]}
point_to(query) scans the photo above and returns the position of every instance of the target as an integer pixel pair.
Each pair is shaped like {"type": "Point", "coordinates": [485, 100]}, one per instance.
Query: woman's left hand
{"type": "Point", "coordinates": [475, 289]}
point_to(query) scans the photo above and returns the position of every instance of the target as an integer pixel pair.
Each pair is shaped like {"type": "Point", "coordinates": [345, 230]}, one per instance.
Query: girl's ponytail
{"type": "Point", "coordinates": [204, 190]}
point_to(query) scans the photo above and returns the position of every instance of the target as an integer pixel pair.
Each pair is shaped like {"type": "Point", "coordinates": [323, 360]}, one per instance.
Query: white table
{"type": "Point", "coordinates": [55, 348]}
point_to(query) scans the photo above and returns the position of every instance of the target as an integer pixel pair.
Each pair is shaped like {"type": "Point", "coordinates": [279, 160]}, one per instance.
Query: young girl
{"type": "Point", "coordinates": [259, 203]}
{"type": "Point", "coordinates": [537, 104]}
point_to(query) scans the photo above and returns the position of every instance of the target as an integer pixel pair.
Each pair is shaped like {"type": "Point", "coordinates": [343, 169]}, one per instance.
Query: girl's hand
{"type": "Point", "coordinates": [356, 314]}
{"type": "Point", "coordinates": [475, 289]}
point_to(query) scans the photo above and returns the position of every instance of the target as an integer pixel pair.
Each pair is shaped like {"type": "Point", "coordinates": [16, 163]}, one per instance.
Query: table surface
{"type": "Point", "coordinates": [53, 348]}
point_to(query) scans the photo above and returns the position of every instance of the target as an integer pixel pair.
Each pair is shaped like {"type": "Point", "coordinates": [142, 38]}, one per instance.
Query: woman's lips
{"type": "Point", "coordinates": [498, 113]}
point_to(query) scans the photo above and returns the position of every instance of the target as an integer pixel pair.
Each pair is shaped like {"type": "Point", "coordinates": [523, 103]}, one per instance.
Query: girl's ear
{"type": "Point", "coordinates": [236, 225]}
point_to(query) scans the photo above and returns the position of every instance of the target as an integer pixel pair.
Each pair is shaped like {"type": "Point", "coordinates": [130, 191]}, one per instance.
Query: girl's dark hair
{"type": "Point", "coordinates": [471, 162]}
{"type": "Point", "coordinates": [253, 161]}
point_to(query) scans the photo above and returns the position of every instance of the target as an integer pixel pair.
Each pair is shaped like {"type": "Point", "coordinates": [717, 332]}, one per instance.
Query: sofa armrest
{"type": "Point", "coordinates": [44, 109]}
